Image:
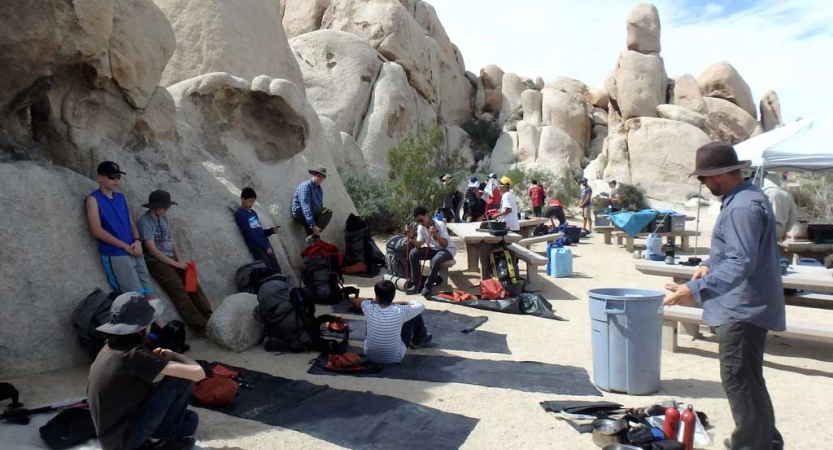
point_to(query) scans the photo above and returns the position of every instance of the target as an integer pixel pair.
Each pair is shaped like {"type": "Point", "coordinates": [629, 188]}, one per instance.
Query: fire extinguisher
{"type": "Point", "coordinates": [672, 423]}
{"type": "Point", "coordinates": [688, 418]}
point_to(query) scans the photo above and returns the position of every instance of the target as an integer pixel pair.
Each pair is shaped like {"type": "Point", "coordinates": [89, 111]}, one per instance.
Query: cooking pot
{"type": "Point", "coordinates": [497, 225]}
{"type": "Point", "coordinates": [609, 431]}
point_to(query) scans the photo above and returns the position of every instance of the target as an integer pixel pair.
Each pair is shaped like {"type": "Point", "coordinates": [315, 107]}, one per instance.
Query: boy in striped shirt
{"type": "Point", "coordinates": [392, 326]}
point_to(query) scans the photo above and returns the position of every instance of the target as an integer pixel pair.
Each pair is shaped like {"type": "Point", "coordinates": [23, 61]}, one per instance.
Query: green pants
{"type": "Point", "coordinates": [322, 218]}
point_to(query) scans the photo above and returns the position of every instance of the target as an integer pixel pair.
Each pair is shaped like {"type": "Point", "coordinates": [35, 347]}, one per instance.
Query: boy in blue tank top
{"type": "Point", "coordinates": [108, 217]}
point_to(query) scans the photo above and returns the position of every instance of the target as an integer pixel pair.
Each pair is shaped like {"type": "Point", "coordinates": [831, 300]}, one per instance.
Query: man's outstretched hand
{"type": "Point", "coordinates": [679, 295]}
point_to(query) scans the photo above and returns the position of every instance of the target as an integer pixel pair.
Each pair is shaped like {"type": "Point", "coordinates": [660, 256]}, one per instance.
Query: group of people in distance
{"type": "Point", "coordinates": [129, 410]}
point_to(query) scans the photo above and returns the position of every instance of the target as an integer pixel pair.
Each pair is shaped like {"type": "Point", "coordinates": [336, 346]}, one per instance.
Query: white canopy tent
{"type": "Point", "coordinates": [805, 145]}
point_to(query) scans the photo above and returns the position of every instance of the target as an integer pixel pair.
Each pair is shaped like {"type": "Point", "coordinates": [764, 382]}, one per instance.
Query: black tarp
{"type": "Point", "coordinates": [351, 419]}
{"type": "Point", "coordinates": [526, 376]}
{"type": "Point", "coordinates": [526, 303]}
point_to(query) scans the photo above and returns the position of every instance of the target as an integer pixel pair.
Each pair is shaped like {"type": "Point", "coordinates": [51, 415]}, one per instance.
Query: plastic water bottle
{"type": "Point", "coordinates": [654, 243]}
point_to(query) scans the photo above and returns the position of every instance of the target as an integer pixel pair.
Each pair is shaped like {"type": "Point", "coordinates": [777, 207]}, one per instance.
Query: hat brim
{"type": "Point", "coordinates": [159, 205]}
{"type": "Point", "coordinates": [121, 329]}
{"type": "Point", "coordinates": [315, 172]}
{"type": "Point", "coordinates": [720, 170]}
{"type": "Point", "coordinates": [473, 184]}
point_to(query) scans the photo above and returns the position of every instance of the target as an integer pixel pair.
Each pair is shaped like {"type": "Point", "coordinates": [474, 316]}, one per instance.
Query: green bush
{"type": "Point", "coordinates": [814, 195]}
{"type": "Point", "coordinates": [563, 188]}
{"type": "Point", "coordinates": [632, 197]}
{"type": "Point", "coordinates": [373, 198]}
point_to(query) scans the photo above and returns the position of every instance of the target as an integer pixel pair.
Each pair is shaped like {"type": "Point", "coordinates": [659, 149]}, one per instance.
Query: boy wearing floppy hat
{"type": "Point", "coordinates": [308, 204]}
{"type": "Point", "coordinates": [108, 217]}
{"type": "Point", "coordinates": [165, 263]}
{"type": "Point", "coordinates": [739, 288]}
{"type": "Point", "coordinates": [128, 409]}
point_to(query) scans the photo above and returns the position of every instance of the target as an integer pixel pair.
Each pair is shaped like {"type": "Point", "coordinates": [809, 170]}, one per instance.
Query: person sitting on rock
{"type": "Point", "coordinates": [165, 263]}
{"type": "Point", "coordinates": [308, 205]}
{"type": "Point", "coordinates": [431, 241]}
{"type": "Point", "coordinates": [128, 409]}
{"type": "Point", "coordinates": [257, 239]}
{"type": "Point", "coordinates": [108, 217]}
{"type": "Point", "coordinates": [392, 327]}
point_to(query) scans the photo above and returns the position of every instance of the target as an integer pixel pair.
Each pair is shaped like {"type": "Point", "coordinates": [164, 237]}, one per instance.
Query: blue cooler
{"type": "Point", "coordinates": [561, 263]}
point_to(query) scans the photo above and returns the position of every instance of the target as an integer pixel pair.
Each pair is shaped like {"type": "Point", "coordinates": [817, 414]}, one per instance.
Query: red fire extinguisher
{"type": "Point", "coordinates": [672, 422]}
{"type": "Point", "coordinates": [688, 418]}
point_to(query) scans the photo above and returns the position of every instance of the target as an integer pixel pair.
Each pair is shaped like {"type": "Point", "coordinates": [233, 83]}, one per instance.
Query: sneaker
{"type": "Point", "coordinates": [312, 238]}
{"type": "Point", "coordinates": [410, 289]}
{"type": "Point", "coordinates": [419, 343]}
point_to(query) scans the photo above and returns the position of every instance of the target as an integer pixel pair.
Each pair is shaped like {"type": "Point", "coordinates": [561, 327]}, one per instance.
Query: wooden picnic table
{"type": "Point", "coordinates": [476, 239]}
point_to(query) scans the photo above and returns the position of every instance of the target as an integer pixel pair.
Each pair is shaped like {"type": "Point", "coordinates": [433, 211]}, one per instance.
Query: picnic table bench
{"type": "Point", "coordinates": [674, 315]}
{"type": "Point", "coordinates": [797, 277]}
{"type": "Point", "coordinates": [533, 262]}
{"type": "Point", "coordinates": [621, 236]}
{"type": "Point", "coordinates": [607, 231]}
{"type": "Point", "coordinates": [527, 242]}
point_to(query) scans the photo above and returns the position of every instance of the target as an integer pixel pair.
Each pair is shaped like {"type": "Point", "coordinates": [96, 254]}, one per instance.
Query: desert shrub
{"type": "Point", "coordinates": [813, 193]}
{"type": "Point", "coordinates": [417, 163]}
{"type": "Point", "coordinates": [563, 188]}
{"type": "Point", "coordinates": [632, 197]}
{"type": "Point", "coordinates": [373, 198]}
{"type": "Point", "coordinates": [483, 135]}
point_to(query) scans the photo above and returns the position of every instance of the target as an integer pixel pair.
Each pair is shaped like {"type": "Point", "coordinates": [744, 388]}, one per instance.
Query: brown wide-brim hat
{"type": "Point", "coordinates": [717, 158]}
{"type": "Point", "coordinates": [321, 170]}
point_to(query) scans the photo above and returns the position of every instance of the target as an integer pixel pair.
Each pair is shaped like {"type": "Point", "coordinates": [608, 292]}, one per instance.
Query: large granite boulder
{"type": "Point", "coordinates": [662, 155]}
{"type": "Point", "coordinates": [687, 94]}
{"type": "Point", "coordinates": [339, 71]}
{"type": "Point", "coordinates": [503, 155]}
{"type": "Point", "coordinates": [638, 84]}
{"type": "Point", "coordinates": [489, 97]}
{"type": "Point", "coordinates": [616, 156]}
{"type": "Point", "coordinates": [512, 88]}
{"type": "Point", "coordinates": [728, 121]}
{"type": "Point", "coordinates": [770, 111]}
{"type": "Point", "coordinates": [566, 110]}
{"type": "Point", "coordinates": [395, 111]}
{"type": "Point", "coordinates": [531, 104]}
{"type": "Point", "coordinates": [597, 97]}
{"type": "Point", "coordinates": [559, 152]}
{"type": "Point", "coordinates": [644, 29]}
{"type": "Point", "coordinates": [681, 114]}
{"type": "Point", "coordinates": [529, 137]}
{"type": "Point", "coordinates": [241, 38]}
{"type": "Point", "coordinates": [302, 16]}
{"type": "Point", "coordinates": [722, 80]}
{"type": "Point", "coordinates": [140, 47]}
{"type": "Point", "coordinates": [233, 325]}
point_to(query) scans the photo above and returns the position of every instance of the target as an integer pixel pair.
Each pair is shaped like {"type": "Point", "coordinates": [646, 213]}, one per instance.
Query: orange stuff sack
{"type": "Point", "coordinates": [347, 361]}
{"type": "Point", "coordinates": [456, 296]}
{"type": "Point", "coordinates": [492, 289]}
{"type": "Point", "coordinates": [216, 390]}
{"type": "Point", "coordinates": [191, 277]}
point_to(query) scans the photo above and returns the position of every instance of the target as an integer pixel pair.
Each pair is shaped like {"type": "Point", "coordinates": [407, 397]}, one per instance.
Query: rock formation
{"type": "Point", "coordinates": [722, 80]}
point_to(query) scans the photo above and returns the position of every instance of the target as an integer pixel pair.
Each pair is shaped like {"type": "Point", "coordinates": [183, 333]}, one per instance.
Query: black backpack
{"type": "Point", "coordinates": [93, 312]}
{"type": "Point", "coordinates": [395, 255]}
{"type": "Point", "coordinates": [289, 319]}
{"type": "Point", "coordinates": [359, 245]}
{"type": "Point", "coordinates": [323, 279]}
{"type": "Point", "coordinates": [70, 427]}
{"type": "Point", "coordinates": [504, 268]}
{"type": "Point", "coordinates": [249, 276]}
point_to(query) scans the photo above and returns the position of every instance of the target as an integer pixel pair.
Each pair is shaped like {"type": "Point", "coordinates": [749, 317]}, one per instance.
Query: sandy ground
{"type": "Point", "coordinates": [799, 373]}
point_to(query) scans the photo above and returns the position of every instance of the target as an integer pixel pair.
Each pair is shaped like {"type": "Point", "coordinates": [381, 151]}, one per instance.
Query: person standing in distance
{"type": "Point", "coordinates": [740, 290]}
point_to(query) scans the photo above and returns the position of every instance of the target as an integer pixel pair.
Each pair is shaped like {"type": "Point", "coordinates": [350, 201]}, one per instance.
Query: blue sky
{"type": "Point", "coordinates": [785, 46]}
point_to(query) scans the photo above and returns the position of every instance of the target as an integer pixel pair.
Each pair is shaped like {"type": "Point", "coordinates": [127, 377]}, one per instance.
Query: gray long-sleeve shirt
{"type": "Point", "coordinates": [744, 279]}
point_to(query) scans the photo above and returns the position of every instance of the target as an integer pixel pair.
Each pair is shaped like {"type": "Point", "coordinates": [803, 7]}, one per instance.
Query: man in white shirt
{"type": "Point", "coordinates": [508, 206]}
{"type": "Point", "coordinates": [431, 241]}
{"type": "Point", "coordinates": [783, 205]}
{"type": "Point", "coordinates": [392, 327]}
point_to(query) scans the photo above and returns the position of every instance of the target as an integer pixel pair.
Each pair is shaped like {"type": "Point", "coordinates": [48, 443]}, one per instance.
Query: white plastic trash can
{"type": "Point", "coordinates": [627, 339]}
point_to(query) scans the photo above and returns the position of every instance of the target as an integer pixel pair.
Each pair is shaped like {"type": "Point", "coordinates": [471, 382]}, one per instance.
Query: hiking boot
{"type": "Point", "coordinates": [419, 343]}
{"type": "Point", "coordinates": [410, 289]}
{"type": "Point", "coordinates": [312, 238]}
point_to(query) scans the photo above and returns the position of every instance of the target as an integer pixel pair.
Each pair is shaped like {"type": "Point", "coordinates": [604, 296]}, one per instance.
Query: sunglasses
{"type": "Point", "coordinates": [114, 177]}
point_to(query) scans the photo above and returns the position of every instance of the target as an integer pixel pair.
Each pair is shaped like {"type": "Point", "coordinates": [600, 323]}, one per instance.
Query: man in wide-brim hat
{"type": "Point", "coordinates": [166, 264]}
{"type": "Point", "coordinates": [128, 409]}
{"type": "Point", "coordinates": [308, 204]}
{"type": "Point", "coordinates": [739, 288]}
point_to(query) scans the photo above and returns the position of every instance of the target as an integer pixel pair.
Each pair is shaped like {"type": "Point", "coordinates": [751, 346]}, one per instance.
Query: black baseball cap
{"type": "Point", "coordinates": [109, 168]}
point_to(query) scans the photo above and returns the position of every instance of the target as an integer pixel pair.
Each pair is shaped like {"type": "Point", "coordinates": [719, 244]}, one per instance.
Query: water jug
{"type": "Point", "coordinates": [654, 243]}
{"type": "Point", "coordinates": [561, 263]}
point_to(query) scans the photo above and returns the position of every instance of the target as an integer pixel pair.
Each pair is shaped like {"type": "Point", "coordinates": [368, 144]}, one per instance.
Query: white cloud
{"type": "Point", "coordinates": [782, 46]}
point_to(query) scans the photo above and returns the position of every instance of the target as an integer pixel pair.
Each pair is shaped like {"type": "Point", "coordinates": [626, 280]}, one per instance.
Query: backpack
{"type": "Point", "coordinates": [395, 255]}
{"type": "Point", "coordinates": [321, 272]}
{"type": "Point", "coordinates": [359, 245]}
{"type": "Point", "coordinates": [249, 276]}
{"type": "Point", "coordinates": [70, 427]}
{"type": "Point", "coordinates": [93, 312]}
{"type": "Point", "coordinates": [289, 319]}
{"type": "Point", "coordinates": [505, 269]}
